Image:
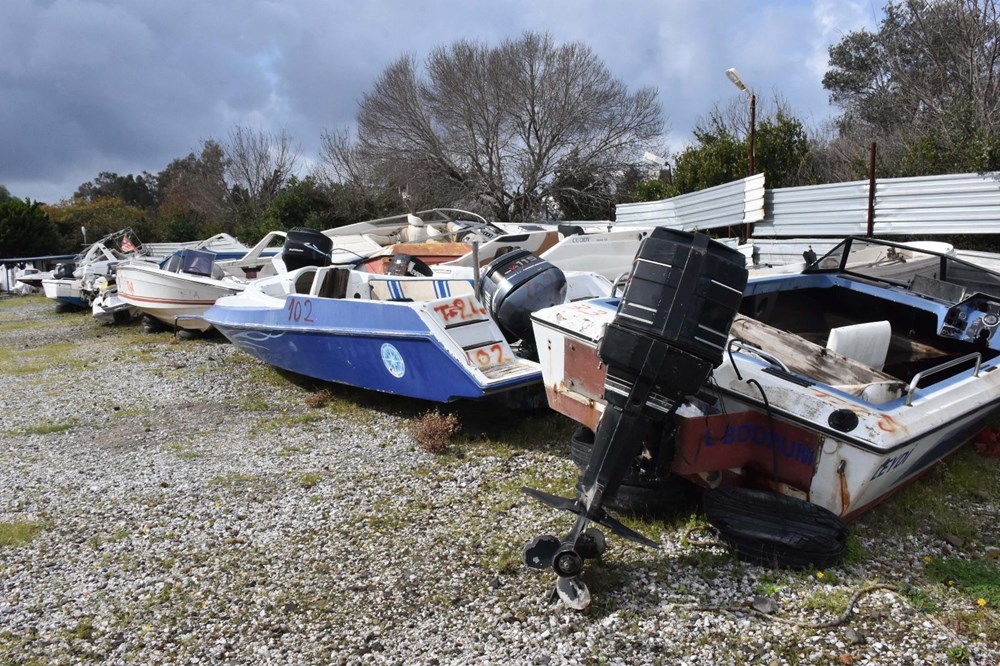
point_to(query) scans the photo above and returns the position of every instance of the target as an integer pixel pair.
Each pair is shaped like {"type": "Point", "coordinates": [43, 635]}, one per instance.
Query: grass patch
{"type": "Point", "coordinates": [976, 579]}
{"type": "Point", "coordinates": [938, 501]}
{"type": "Point", "coordinates": [49, 428]}
{"type": "Point", "coordinates": [253, 403]}
{"type": "Point", "coordinates": [20, 362]}
{"type": "Point", "coordinates": [309, 480]}
{"type": "Point", "coordinates": [233, 479]}
{"type": "Point", "coordinates": [19, 533]}
{"type": "Point", "coordinates": [832, 601]}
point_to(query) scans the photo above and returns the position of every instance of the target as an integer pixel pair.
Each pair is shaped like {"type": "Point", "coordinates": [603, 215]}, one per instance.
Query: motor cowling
{"type": "Point", "coordinates": [306, 247]}
{"type": "Point", "coordinates": [515, 285]}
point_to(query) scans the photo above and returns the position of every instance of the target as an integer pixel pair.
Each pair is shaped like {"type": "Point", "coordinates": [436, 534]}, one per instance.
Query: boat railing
{"type": "Point", "coordinates": [620, 281]}
{"type": "Point", "coordinates": [742, 345]}
{"type": "Point", "coordinates": [976, 356]}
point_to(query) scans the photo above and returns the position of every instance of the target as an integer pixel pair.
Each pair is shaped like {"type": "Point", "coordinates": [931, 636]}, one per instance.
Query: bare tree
{"type": "Point", "coordinates": [498, 128]}
{"type": "Point", "coordinates": [258, 165]}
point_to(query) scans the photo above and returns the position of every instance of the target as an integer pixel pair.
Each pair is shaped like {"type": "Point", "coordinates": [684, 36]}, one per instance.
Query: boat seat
{"type": "Point", "coordinates": [418, 289]}
{"type": "Point", "coordinates": [807, 358]}
{"type": "Point", "coordinates": [866, 343]}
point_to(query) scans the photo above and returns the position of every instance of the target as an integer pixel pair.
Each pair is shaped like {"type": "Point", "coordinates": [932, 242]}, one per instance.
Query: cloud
{"type": "Point", "coordinates": [128, 85]}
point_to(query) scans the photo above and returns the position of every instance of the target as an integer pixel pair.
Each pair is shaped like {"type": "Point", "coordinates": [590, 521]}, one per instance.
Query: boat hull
{"type": "Point", "coordinates": [785, 441]}
{"type": "Point", "coordinates": [173, 298]}
{"type": "Point", "coordinates": [66, 291]}
{"type": "Point", "coordinates": [388, 347]}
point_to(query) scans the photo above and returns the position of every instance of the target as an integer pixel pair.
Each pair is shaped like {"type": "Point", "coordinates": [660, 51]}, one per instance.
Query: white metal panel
{"type": "Point", "coordinates": [922, 206]}
{"type": "Point", "coordinates": [732, 204]}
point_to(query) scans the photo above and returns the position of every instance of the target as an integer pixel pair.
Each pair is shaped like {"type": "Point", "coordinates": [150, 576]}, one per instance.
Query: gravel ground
{"type": "Point", "coordinates": [189, 506]}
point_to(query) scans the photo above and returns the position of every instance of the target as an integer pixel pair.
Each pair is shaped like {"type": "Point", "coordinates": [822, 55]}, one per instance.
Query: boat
{"type": "Point", "coordinates": [438, 332]}
{"type": "Point", "coordinates": [824, 392]}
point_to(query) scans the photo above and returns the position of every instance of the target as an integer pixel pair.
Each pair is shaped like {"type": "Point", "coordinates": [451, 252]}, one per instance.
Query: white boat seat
{"type": "Point", "coordinates": [866, 343]}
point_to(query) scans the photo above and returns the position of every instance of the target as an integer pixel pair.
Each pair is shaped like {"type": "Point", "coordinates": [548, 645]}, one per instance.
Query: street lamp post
{"type": "Point", "coordinates": [734, 76]}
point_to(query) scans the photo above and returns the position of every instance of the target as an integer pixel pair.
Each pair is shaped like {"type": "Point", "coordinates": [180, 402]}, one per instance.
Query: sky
{"type": "Point", "coordinates": [128, 85]}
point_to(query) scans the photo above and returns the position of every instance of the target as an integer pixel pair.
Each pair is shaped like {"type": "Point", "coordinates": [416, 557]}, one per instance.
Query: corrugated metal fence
{"type": "Point", "coordinates": [952, 204]}
{"type": "Point", "coordinates": [732, 204]}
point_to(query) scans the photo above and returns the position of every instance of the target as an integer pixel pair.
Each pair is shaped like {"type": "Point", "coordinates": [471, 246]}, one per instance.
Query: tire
{"type": "Point", "coordinates": [151, 324]}
{"type": "Point", "coordinates": [771, 529]}
{"type": "Point", "coordinates": [581, 445]}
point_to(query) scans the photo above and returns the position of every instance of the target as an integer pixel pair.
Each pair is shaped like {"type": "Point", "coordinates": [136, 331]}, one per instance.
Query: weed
{"type": "Point", "coordinates": [309, 480]}
{"type": "Point", "coordinates": [319, 399]}
{"type": "Point", "coordinates": [233, 479]}
{"type": "Point", "coordinates": [433, 431]}
{"type": "Point", "coordinates": [18, 533]}
{"type": "Point", "coordinates": [84, 629]}
{"type": "Point", "coordinates": [832, 601]}
{"type": "Point", "coordinates": [958, 654]}
{"type": "Point", "coordinates": [977, 579]}
{"type": "Point", "coordinates": [254, 404]}
{"type": "Point", "coordinates": [49, 428]}
{"type": "Point", "coordinates": [918, 598]}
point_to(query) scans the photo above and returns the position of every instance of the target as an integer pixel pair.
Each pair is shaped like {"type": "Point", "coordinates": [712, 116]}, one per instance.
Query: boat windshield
{"type": "Point", "coordinates": [927, 267]}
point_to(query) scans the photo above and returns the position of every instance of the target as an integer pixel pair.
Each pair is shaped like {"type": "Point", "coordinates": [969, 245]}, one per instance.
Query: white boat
{"type": "Point", "coordinates": [175, 295]}
{"type": "Point", "coordinates": [835, 387]}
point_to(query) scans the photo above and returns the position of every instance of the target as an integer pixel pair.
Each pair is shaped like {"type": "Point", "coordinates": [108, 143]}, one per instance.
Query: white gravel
{"type": "Point", "coordinates": [193, 509]}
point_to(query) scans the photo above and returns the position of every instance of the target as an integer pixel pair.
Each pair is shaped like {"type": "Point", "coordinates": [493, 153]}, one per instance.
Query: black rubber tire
{"type": "Point", "coordinates": [188, 334]}
{"type": "Point", "coordinates": [62, 308]}
{"type": "Point", "coordinates": [771, 529]}
{"type": "Point", "coordinates": [581, 445]}
{"type": "Point", "coordinates": [637, 494]}
{"type": "Point", "coordinates": [152, 324]}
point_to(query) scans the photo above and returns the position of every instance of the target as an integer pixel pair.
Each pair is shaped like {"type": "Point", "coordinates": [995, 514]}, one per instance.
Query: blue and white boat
{"type": "Point", "coordinates": [420, 331]}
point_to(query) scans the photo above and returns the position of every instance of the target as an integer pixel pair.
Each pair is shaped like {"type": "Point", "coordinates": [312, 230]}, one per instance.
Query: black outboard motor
{"type": "Point", "coordinates": [517, 284]}
{"type": "Point", "coordinates": [306, 247]}
{"type": "Point", "coordinates": [670, 331]}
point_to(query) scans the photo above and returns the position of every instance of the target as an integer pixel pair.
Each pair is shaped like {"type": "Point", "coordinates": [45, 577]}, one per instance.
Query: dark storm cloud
{"type": "Point", "coordinates": [128, 85]}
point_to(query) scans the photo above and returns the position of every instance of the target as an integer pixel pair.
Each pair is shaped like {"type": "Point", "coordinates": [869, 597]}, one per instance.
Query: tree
{"type": "Point", "coordinates": [5, 194]}
{"type": "Point", "coordinates": [99, 217]}
{"type": "Point", "coordinates": [258, 164]}
{"type": "Point", "coordinates": [925, 87]}
{"type": "Point", "coordinates": [194, 197]}
{"type": "Point", "coordinates": [719, 156]}
{"type": "Point", "coordinates": [139, 191]}
{"type": "Point", "coordinates": [25, 229]}
{"type": "Point", "coordinates": [506, 129]}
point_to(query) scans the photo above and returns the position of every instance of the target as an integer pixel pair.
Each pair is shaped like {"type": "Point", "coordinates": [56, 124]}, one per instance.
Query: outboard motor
{"type": "Point", "coordinates": [670, 331]}
{"type": "Point", "coordinates": [515, 285]}
{"type": "Point", "coordinates": [306, 247]}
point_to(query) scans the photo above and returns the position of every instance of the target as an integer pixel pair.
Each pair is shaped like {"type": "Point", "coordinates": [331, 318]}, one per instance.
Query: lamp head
{"type": "Point", "coordinates": [734, 76]}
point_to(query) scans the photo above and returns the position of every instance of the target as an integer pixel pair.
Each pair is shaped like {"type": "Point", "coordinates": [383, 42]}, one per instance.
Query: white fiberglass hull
{"type": "Point", "coordinates": [167, 296]}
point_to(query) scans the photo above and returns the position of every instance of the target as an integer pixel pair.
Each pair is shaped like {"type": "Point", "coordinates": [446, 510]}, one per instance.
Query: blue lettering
{"type": "Point", "coordinates": [759, 436]}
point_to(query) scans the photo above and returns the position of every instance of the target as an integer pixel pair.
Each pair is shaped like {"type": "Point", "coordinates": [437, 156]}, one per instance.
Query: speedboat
{"type": "Point", "coordinates": [818, 394]}
{"type": "Point", "coordinates": [439, 332]}
{"type": "Point", "coordinates": [71, 284]}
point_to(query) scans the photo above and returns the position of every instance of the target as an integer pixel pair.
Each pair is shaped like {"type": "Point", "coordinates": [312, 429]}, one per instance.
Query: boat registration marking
{"type": "Point", "coordinates": [300, 309]}
{"type": "Point", "coordinates": [891, 464]}
{"type": "Point", "coordinates": [488, 355]}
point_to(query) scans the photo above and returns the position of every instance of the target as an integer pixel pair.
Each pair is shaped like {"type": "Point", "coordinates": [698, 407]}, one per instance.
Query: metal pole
{"type": "Point", "coordinates": [748, 228]}
{"type": "Point", "coordinates": [475, 269]}
{"type": "Point", "coordinates": [753, 121]}
{"type": "Point", "coordinates": [871, 191]}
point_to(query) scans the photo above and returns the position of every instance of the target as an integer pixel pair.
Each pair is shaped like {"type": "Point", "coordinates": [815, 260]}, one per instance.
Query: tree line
{"type": "Point", "coordinates": [530, 129]}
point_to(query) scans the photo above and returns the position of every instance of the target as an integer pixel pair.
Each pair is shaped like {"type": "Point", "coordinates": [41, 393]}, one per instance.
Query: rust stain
{"type": "Point", "coordinates": [845, 493]}
{"type": "Point", "coordinates": [887, 423]}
